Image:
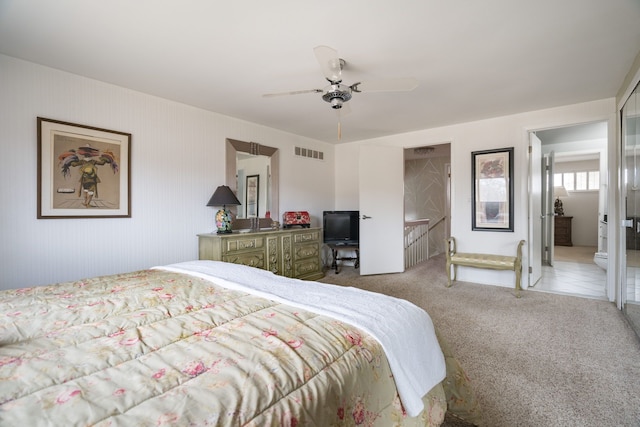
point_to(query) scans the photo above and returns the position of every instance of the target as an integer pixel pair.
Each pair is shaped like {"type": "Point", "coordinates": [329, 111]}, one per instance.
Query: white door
{"type": "Point", "coordinates": [535, 209]}
{"type": "Point", "coordinates": [381, 209]}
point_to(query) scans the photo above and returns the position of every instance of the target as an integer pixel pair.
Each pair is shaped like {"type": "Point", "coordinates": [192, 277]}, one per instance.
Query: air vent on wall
{"type": "Point", "coordinates": [308, 153]}
{"type": "Point", "coordinates": [422, 151]}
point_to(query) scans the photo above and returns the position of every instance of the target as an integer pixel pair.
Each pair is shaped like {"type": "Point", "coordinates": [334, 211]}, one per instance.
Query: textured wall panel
{"type": "Point", "coordinates": [425, 196]}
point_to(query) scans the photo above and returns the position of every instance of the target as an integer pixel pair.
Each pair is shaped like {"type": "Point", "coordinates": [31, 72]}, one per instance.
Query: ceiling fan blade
{"type": "Point", "coordinates": [386, 85]}
{"type": "Point", "coordinates": [293, 92]}
{"type": "Point", "coordinates": [329, 62]}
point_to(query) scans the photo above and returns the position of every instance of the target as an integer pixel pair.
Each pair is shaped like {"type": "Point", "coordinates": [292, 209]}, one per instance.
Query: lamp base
{"type": "Point", "coordinates": [223, 221]}
{"type": "Point", "coordinates": [557, 207]}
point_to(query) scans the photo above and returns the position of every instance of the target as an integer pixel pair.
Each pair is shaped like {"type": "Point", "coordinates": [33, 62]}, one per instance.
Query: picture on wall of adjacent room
{"type": "Point", "coordinates": [83, 171]}
{"type": "Point", "coordinates": [492, 172]}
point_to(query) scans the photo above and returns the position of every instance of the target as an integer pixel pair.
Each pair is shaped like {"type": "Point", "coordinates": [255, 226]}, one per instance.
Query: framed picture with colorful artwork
{"type": "Point", "coordinates": [492, 172]}
{"type": "Point", "coordinates": [83, 171]}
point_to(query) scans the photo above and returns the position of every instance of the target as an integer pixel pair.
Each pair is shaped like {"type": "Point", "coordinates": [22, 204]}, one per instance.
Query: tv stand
{"type": "Point", "coordinates": [335, 252]}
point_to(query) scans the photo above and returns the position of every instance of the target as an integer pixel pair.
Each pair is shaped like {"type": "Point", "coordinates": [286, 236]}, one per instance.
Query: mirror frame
{"type": "Point", "coordinates": [233, 146]}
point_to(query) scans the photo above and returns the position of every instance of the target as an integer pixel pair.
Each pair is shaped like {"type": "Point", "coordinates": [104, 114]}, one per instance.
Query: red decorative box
{"type": "Point", "coordinates": [292, 218]}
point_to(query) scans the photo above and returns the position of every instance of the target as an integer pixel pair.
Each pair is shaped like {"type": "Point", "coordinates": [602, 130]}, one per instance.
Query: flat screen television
{"type": "Point", "coordinates": [341, 227]}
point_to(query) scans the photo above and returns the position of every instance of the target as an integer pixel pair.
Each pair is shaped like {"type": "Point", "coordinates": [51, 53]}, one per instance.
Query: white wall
{"type": "Point", "coordinates": [177, 161]}
{"type": "Point", "coordinates": [347, 172]}
{"type": "Point", "coordinates": [499, 132]}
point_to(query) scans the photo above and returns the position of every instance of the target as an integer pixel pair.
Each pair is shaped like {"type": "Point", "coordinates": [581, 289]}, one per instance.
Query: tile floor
{"type": "Point", "coordinates": [573, 278]}
{"type": "Point", "coordinates": [584, 278]}
{"type": "Point", "coordinates": [569, 277]}
{"type": "Point", "coordinates": [633, 285]}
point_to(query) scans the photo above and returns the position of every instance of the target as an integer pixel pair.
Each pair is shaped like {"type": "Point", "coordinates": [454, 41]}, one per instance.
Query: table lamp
{"type": "Point", "coordinates": [557, 193]}
{"type": "Point", "coordinates": [223, 196]}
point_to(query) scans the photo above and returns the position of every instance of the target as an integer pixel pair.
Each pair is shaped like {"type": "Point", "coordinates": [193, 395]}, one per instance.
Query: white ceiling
{"type": "Point", "coordinates": [577, 137]}
{"type": "Point", "coordinates": [473, 59]}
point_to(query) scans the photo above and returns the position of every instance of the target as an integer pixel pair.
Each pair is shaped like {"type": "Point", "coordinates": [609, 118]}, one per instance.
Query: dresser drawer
{"type": "Point", "coordinates": [308, 250]}
{"type": "Point", "coordinates": [241, 244]}
{"type": "Point", "coordinates": [252, 259]}
{"type": "Point", "coordinates": [306, 236]}
{"type": "Point", "coordinates": [309, 268]}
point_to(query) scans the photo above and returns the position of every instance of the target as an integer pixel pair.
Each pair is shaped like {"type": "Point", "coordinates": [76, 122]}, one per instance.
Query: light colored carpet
{"type": "Point", "coordinates": [541, 360]}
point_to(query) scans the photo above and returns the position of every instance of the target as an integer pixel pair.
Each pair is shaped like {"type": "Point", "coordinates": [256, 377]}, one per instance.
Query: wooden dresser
{"type": "Point", "coordinates": [291, 253]}
{"type": "Point", "coordinates": [562, 234]}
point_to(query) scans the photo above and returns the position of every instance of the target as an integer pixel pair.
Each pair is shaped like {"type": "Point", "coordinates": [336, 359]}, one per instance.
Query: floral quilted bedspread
{"type": "Point", "coordinates": [160, 348]}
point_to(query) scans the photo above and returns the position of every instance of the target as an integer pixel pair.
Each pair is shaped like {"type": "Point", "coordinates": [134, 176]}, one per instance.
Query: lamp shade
{"type": "Point", "coordinates": [560, 191]}
{"type": "Point", "coordinates": [223, 196]}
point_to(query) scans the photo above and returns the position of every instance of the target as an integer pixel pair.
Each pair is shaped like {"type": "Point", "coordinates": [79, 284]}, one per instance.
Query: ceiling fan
{"type": "Point", "coordinates": [336, 93]}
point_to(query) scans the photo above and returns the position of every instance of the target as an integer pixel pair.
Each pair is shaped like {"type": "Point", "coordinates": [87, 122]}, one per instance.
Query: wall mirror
{"type": "Point", "coordinates": [258, 166]}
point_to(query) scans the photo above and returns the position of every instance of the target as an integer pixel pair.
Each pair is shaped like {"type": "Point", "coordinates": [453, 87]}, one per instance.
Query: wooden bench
{"type": "Point", "coordinates": [495, 262]}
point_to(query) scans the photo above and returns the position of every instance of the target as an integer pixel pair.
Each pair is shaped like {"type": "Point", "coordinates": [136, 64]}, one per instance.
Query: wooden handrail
{"type": "Point", "coordinates": [431, 227]}
{"type": "Point", "coordinates": [414, 222]}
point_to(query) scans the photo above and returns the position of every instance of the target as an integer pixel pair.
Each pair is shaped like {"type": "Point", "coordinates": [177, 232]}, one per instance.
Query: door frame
{"type": "Point", "coordinates": [614, 205]}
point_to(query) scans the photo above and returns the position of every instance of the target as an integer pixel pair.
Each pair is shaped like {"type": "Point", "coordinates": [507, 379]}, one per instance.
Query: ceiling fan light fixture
{"type": "Point", "coordinates": [336, 94]}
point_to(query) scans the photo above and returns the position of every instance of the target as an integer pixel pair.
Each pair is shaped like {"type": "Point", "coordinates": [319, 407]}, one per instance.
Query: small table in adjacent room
{"type": "Point", "coordinates": [562, 230]}
{"type": "Point", "coordinates": [335, 252]}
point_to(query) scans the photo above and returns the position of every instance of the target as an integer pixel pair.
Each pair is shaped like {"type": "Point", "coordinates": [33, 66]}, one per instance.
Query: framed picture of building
{"type": "Point", "coordinates": [492, 172]}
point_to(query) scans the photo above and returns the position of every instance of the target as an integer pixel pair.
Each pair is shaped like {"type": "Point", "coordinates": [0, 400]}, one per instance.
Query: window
{"type": "Point", "coordinates": [593, 180]}
{"type": "Point", "coordinates": [578, 181]}
{"type": "Point", "coordinates": [581, 181]}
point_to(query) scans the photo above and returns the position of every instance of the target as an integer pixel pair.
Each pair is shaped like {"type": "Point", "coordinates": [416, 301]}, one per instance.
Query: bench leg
{"type": "Point", "coordinates": [518, 282]}
{"type": "Point", "coordinates": [449, 273]}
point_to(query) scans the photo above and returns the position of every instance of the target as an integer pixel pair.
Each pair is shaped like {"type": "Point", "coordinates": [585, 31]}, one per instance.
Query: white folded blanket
{"type": "Point", "coordinates": [404, 330]}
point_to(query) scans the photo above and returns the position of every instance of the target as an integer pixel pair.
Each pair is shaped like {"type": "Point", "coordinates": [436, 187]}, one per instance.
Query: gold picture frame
{"type": "Point", "coordinates": [83, 171]}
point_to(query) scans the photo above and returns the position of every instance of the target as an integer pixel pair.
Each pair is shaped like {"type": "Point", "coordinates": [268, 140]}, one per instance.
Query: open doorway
{"type": "Point", "coordinates": [576, 219]}
{"type": "Point", "coordinates": [427, 191]}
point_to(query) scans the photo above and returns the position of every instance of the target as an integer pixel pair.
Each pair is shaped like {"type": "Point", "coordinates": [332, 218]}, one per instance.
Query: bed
{"type": "Point", "coordinates": [220, 344]}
